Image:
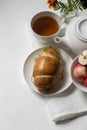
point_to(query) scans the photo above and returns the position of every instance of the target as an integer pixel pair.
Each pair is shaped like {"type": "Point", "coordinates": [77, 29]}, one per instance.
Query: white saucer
{"type": "Point", "coordinates": [62, 84]}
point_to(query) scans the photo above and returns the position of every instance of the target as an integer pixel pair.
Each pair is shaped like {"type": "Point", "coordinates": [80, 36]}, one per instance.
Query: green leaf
{"type": "Point", "coordinates": [70, 6]}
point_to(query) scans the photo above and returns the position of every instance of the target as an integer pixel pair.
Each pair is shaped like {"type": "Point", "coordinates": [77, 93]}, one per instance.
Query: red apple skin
{"type": "Point", "coordinates": [80, 72]}
{"type": "Point", "coordinates": [85, 82]}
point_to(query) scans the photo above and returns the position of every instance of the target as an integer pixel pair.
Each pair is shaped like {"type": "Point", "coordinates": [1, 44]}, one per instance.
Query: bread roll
{"type": "Point", "coordinates": [46, 68]}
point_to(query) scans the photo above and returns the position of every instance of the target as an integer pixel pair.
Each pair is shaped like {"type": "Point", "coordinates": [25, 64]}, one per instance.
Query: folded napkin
{"type": "Point", "coordinates": [69, 104]}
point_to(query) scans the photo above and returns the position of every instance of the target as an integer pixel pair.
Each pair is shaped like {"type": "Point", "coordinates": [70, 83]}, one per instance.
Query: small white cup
{"type": "Point", "coordinates": [50, 37]}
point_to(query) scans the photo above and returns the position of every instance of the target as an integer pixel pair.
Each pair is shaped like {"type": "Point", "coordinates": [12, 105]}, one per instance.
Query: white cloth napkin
{"type": "Point", "coordinates": [67, 105]}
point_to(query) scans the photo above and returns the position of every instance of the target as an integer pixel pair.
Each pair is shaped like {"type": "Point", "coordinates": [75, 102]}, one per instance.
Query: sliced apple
{"type": "Point", "coordinates": [85, 53]}
{"type": "Point", "coordinates": [82, 60]}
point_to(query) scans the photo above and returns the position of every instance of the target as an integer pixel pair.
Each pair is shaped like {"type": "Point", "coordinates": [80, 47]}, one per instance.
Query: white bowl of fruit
{"type": "Point", "coordinates": [79, 71]}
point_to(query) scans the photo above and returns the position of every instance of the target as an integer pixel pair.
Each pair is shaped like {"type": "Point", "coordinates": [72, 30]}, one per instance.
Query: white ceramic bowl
{"type": "Point", "coordinates": [75, 82]}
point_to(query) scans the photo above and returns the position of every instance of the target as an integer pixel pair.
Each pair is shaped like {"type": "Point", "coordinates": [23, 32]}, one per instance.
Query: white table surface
{"type": "Point", "coordinates": [20, 108]}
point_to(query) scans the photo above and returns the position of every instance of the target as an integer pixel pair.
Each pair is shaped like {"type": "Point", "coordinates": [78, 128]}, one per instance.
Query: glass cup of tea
{"type": "Point", "coordinates": [45, 26]}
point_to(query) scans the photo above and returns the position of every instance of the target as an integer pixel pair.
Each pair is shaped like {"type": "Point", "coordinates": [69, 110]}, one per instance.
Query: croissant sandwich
{"type": "Point", "coordinates": [47, 69]}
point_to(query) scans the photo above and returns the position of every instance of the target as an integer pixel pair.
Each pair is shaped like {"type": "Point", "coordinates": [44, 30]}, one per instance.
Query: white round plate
{"type": "Point", "coordinates": [63, 84]}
